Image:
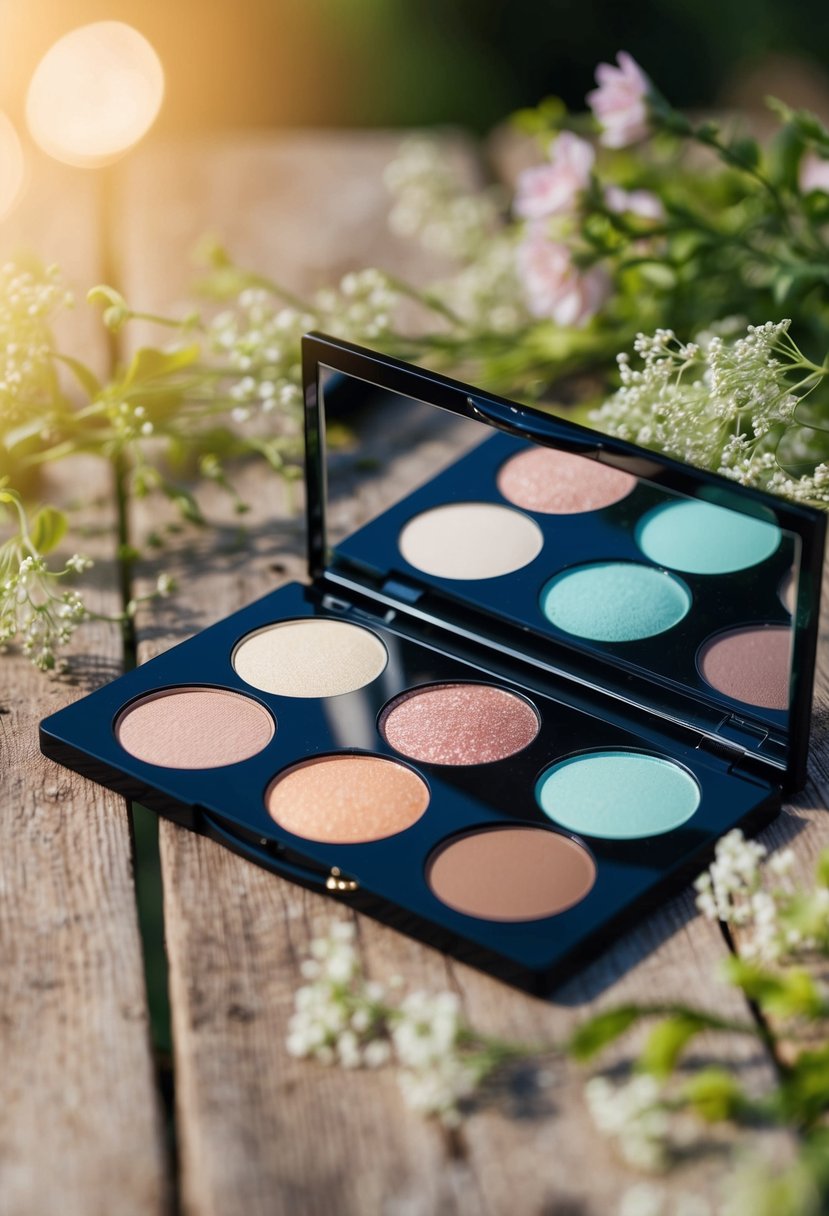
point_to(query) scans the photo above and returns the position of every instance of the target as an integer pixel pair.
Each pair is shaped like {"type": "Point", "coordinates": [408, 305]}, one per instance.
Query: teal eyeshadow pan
{"type": "Point", "coordinates": [614, 601]}
{"type": "Point", "coordinates": [700, 538]}
{"type": "Point", "coordinates": [617, 795]}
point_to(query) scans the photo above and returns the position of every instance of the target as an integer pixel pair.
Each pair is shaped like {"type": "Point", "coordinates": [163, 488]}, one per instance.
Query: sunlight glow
{"type": "Point", "coordinates": [11, 165]}
{"type": "Point", "coordinates": [95, 93]}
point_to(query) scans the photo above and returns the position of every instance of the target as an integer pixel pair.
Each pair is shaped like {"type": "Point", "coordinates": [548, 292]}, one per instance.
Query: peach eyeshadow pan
{"type": "Point", "coordinates": [194, 728]}
{"type": "Point", "coordinates": [347, 799]}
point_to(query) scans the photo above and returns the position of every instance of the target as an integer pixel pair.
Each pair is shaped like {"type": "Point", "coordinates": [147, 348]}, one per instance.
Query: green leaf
{"type": "Point", "coordinates": [745, 151]}
{"type": "Point", "coordinates": [597, 1033]}
{"type": "Point", "coordinates": [822, 868]}
{"type": "Point", "coordinates": [806, 123]}
{"type": "Point", "coordinates": [48, 529]}
{"type": "Point", "coordinates": [714, 1095]}
{"type": "Point", "coordinates": [788, 993]}
{"type": "Point", "coordinates": [804, 1095]}
{"type": "Point", "coordinates": [84, 375]}
{"type": "Point", "coordinates": [667, 1041]}
{"type": "Point", "coordinates": [149, 363]}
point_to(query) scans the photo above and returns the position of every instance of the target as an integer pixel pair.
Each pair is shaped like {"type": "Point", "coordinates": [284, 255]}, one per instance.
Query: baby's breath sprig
{"type": "Point", "coordinates": [342, 1017]}
{"type": "Point", "coordinates": [729, 402]}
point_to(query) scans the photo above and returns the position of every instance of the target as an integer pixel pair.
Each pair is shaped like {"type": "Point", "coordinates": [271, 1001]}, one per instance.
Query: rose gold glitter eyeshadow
{"type": "Point", "coordinates": [558, 483]}
{"type": "Point", "coordinates": [458, 724]}
{"type": "Point", "coordinates": [751, 665]}
{"type": "Point", "coordinates": [511, 873]}
{"type": "Point", "coordinates": [194, 728]}
{"type": "Point", "coordinates": [347, 799]}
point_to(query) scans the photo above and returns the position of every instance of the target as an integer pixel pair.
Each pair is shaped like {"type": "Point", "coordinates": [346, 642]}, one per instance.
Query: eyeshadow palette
{"type": "Point", "coordinates": [512, 710]}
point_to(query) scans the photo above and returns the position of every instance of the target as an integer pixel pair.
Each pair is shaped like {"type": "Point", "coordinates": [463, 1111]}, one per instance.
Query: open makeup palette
{"type": "Point", "coordinates": [511, 711]}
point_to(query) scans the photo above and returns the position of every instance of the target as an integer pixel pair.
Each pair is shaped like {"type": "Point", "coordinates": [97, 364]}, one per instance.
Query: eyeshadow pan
{"type": "Point", "coordinates": [458, 723]}
{"type": "Point", "coordinates": [314, 657]}
{"type": "Point", "coordinates": [470, 540]}
{"type": "Point", "coordinates": [559, 483]}
{"type": "Point", "coordinates": [347, 799]}
{"type": "Point", "coordinates": [617, 795]}
{"type": "Point", "coordinates": [510, 873]}
{"type": "Point", "coordinates": [750, 665]}
{"type": "Point", "coordinates": [194, 728]}
{"type": "Point", "coordinates": [614, 601]}
{"type": "Point", "coordinates": [700, 538]}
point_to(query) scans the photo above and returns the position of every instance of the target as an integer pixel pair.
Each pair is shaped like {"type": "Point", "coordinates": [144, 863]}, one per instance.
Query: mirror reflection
{"type": "Point", "coordinates": [697, 596]}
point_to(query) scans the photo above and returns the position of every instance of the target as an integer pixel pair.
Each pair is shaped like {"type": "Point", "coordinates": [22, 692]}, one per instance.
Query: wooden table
{"type": "Point", "coordinates": [86, 1128]}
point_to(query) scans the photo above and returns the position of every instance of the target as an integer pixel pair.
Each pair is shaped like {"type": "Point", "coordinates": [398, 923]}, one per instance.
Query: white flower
{"type": "Point", "coordinates": [620, 101]}
{"type": "Point", "coordinates": [554, 286]}
{"type": "Point", "coordinates": [555, 188]}
{"type": "Point", "coordinates": [813, 173]}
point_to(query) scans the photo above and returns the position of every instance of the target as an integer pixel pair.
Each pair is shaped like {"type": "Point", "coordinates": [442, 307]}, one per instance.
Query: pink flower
{"type": "Point", "coordinates": [813, 174]}
{"type": "Point", "coordinates": [556, 288]}
{"type": "Point", "coordinates": [643, 203]}
{"type": "Point", "coordinates": [552, 189]}
{"type": "Point", "coordinates": [620, 101]}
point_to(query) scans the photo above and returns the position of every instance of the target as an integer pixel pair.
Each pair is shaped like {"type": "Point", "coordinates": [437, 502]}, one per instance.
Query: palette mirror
{"type": "Point", "coordinates": [596, 563]}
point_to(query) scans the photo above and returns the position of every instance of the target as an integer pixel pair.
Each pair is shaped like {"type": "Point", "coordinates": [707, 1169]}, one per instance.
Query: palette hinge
{"type": "Point", "coordinates": [721, 748]}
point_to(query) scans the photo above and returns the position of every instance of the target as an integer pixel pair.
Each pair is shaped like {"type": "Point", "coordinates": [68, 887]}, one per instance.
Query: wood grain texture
{"type": "Point", "coordinates": [80, 1131]}
{"type": "Point", "coordinates": [259, 1131]}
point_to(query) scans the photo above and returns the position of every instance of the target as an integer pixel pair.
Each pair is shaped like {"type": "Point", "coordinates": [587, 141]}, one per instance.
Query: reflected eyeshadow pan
{"type": "Point", "coordinates": [511, 873]}
{"type": "Point", "coordinates": [751, 665]}
{"type": "Point", "coordinates": [615, 601]}
{"type": "Point", "coordinates": [310, 658]}
{"type": "Point", "coordinates": [347, 799]}
{"type": "Point", "coordinates": [469, 540]}
{"type": "Point", "coordinates": [618, 795]}
{"type": "Point", "coordinates": [558, 483]}
{"type": "Point", "coordinates": [458, 724]}
{"type": "Point", "coordinates": [194, 728]}
{"type": "Point", "coordinates": [700, 538]}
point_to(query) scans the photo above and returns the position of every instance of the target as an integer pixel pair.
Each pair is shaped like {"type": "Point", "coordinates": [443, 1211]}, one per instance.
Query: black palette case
{"type": "Point", "coordinates": [498, 606]}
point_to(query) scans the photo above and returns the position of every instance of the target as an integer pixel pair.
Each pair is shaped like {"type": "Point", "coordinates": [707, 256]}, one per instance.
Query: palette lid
{"type": "Point", "coordinates": [594, 561]}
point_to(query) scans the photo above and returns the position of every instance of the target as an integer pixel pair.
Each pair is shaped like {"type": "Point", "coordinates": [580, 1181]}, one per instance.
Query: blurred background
{"type": "Point", "coordinates": [407, 62]}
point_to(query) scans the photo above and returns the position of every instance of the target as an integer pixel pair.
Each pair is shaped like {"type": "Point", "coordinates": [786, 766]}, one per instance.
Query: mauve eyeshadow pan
{"type": "Point", "coordinates": [458, 724]}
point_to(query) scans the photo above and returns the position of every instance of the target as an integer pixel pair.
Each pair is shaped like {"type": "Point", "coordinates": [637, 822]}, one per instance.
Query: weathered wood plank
{"type": "Point", "coordinates": [259, 1131]}
{"type": "Point", "coordinates": [80, 1131]}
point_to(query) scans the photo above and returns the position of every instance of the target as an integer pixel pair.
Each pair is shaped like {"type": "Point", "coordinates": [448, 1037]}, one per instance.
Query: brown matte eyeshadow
{"type": "Point", "coordinates": [559, 483]}
{"type": "Point", "coordinates": [192, 727]}
{"type": "Point", "coordinates": [347, 799]}
{"type": "Point", "coordinates": [458, 724]}
{"type": "Point", "coordinates": [511, 873]}
{"type": "Point", "coordinates": [750, 665]}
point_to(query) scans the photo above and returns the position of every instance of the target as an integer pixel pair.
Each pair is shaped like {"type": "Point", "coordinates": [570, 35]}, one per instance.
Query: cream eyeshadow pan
{"type": "Point", "coordinates": [508, 714]}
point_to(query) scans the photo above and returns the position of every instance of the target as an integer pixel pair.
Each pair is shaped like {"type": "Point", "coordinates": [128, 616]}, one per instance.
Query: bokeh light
{"type": "Point", "coordinates": [11, 165]}
{"type": "Point", "coordinates": [95, 93]}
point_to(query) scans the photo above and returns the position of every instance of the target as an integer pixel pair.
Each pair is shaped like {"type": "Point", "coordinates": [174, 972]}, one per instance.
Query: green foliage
{"type": "Point", "coordinates": [667, 1041]}
{"type": "Point", "coordinates": [714, 1095]}
{"type": "Point", "coordinates": [600, 1031]}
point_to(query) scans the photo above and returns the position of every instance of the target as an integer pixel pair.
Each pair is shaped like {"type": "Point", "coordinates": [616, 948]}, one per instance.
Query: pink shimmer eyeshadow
{"type": "Point", "coordinates": [458, 724]}
{"type": "Point", "coordinates": [751, 665]}
{"type": "Point", "coordinates": [558, 483]}
{"type": "Point", "coordinates": [194, 728]}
